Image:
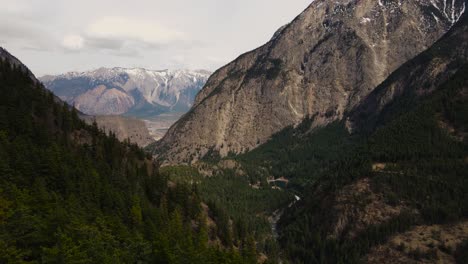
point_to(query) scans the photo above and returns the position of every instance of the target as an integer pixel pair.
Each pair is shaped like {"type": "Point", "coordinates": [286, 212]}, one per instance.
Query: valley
{"type": "Point", "coordinates": [158, 125]}
{"type": "Point", "coordinates": [134, 103]}
{"type": "Point", "coordinates": [343, 139]}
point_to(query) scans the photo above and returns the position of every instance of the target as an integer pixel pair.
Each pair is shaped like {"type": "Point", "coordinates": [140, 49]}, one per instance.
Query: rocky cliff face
{"type": "Point", "coordinates": [137, 92]}
{"type": "Point", "coordinates": [322, 65]}
{"type": "Point", "coordinates": [420, 76]}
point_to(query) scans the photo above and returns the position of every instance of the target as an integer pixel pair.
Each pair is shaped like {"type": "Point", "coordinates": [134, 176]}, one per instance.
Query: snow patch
{"type": "Point", "coordinates": [365, 20]}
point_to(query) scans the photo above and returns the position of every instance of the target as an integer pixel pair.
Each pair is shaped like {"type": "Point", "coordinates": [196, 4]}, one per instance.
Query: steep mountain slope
{"type": "Point", "coordinates": [124, 128]}
{"type": "Point", "coordinates": [383, 201]}
{"type": "Point", "coordinates": [5, 55]}
{"type": "Point", "coordinates": [289, 153]}
{"type": "Point", "coordinates": [418, 77]}
{"type": "Point", "coordinates": [321, 65]}
{"type": "Point", "coordinates": [136, 92]}
{"type": "Point", "coordinates": [71, 194]}
{"type": "Point", "coordinates": [395, 189]}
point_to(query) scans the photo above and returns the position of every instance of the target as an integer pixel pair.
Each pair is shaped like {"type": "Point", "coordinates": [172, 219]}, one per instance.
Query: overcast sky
{"type": "Point", "coordinates": [56, 36]}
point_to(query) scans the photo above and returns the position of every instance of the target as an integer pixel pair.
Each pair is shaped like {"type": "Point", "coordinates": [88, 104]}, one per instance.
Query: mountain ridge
{"type": "Point", "coordinates": [132, 91]}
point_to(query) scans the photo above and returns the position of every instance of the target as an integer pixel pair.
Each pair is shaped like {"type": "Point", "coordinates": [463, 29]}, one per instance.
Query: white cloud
{"type": "Point", "coordinates": [79, 35]}
{"type": "Point", "coordinates": [140, 30]}
{"type": "Point", "coordinates": [73, 42]}
{"type": "Point", "coordinates": [15, 7]}
{"type": "Point", "coordinates": [122, 36]}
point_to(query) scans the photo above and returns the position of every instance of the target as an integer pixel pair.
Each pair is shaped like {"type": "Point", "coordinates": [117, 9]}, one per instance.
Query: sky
{"type": "Point", "coordinates": [58, 36]}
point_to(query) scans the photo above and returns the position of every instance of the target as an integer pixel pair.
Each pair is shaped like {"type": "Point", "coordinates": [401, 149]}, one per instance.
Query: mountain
{"type": "Point", "coordinates": [387, 183]}
{"type": "Point", "coordinates": [417, 78]}
{"type": "Point", "coordinates": [69, 193]}
{"type": "Point", "coordinates": [360, 154]}
{"type": "Point", "coordinates": [321, 65]}
{"type": "Point", "coordinates": [134, 92]}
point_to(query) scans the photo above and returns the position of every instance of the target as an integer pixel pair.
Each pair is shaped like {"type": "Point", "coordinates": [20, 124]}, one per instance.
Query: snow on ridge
{"type": "Point", "coordinates": [139, 73]}
{"type": "Point", "coordinates": [158, 87]}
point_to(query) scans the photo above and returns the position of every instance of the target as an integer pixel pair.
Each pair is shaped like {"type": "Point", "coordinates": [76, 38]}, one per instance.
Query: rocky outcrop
{"type": "Point", "coordinates": [321, 65]}
{"type": "Point", "coordinates": [137, 92]}
{"type": "Point", "coordinates": [422, 244]}
{"type": "Point", "coordinates": [357, 206]}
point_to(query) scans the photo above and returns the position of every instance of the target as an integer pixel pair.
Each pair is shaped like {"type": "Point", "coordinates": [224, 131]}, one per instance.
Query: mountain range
{"type": "Point", "coordinates": [130, 91]}
{"type": "Point", "coordinates": [344, 139]}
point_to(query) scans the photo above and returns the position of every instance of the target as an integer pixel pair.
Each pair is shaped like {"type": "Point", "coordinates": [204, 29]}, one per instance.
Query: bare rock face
{"type": "Point", "coordinates": [321, 65]}
{"type": "Point", "coordinates": [420, 76]}
{"type": "Point", "coordinates": [101, 100]}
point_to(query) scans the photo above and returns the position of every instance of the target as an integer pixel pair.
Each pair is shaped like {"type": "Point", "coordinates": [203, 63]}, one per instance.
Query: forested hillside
{"type": "Point", "coordinates": [378, 174]}
{"type": "Point", "coordinates": [71, 194]}
{"type": "Point", "coordinates": [386, 184]}
{"type": "Point", "coordinates": [394, 190]}
{"type": "Point", "coordinates": [410, 172]}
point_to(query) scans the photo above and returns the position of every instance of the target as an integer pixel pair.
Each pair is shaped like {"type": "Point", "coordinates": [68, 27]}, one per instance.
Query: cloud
{"type": "Point", "coordinates": [76, 35]}
{"type": "Point", "coordinates": [104, 43]}
{"type": "Point", "coordinates": [122, 36]}
{"type": "Point", "coordinates": [73, 42]}
{"type": "Point", "coordinates": [15, 7]}
{"type": "Point", "coordinates": [139, 30]}
{"type": "Point", "coordinates": [22, 27]}
{"type": "Point", "coordinates": [24, 33]}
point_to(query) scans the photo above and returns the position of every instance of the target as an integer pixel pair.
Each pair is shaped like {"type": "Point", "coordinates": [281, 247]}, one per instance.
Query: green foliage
{"type": "Point", "coordinates": [418, 139]}
{"type": "Point", "coordinates": [181, 174]}
{"type": "Point", "coordinates": [239, 210]}
{"type": "Point", "coordinates": [239, 198]}
{"type": "Point", "coordinates": [232, 198]}
{"type": "Point", "coordinates": [303, 157]}
{"type": "Point", "coordinates": [72, 194]}
{"type": "Point", "coordinates": [429, 158]}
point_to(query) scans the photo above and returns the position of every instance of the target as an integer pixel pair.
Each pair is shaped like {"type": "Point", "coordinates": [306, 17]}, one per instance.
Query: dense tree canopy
{"type": "Point", "coordinates": [71, 194]}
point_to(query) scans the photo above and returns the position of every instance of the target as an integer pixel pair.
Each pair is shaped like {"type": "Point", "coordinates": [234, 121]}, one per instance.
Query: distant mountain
{"type": "Point", "coordinates": [320, 66]}
{"type": "Point", "coordinates": [130, 91]}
